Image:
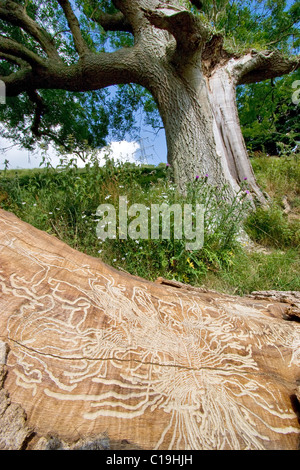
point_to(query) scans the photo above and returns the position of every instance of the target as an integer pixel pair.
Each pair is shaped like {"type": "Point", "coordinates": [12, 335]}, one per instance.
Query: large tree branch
{"type": "Point", "coordinates": [259, 66]}
{"type": "Point", "coordinates": [93, 72]}
{"type": "Point", "coordinates": [18, 82]}
{"type": "Point", "coordinates": [15, 14]}
{"type": "Point", "coordinates": [13, 48]}
{"type": "Point", "coordinates": [79, 42]}
{"type": "Point", "coordinates": [15, 60]}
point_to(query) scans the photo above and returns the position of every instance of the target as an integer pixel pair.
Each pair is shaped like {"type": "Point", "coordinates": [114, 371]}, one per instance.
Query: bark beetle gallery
{"type": "Point", "coordinates": [185, 66]}
{"type": "Point", "coordinates": [100, 354]}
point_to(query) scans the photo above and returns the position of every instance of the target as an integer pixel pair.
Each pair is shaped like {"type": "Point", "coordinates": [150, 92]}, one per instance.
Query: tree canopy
{"type": "Point", "coordinates": [32, 31]}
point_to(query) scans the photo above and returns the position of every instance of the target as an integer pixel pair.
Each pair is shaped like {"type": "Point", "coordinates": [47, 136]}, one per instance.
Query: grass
{"type": "Point", "coordinates": [279, 225]}
{"type": "Point", "coordinates": [63, 202]}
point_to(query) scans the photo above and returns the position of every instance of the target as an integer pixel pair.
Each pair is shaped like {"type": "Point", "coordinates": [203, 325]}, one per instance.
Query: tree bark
{"type": "Point", "coordinates": [95, 358]}
{"type": "Point", "coordinates": [230, 144]}
{"type": "Point", "coordinates": [202, 128]}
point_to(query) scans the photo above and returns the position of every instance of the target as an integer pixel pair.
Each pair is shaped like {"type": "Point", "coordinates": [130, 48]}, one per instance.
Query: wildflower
{"type": "Point", "coordinates": [190, 263]}
{"type": "Point", "coordinates": [197, 177]}
{"type": "Point", "coordinates": [167, 165]}
{"type": "Point", "coordinates": [107, 197]}
{"type": "Point", "coordinates": [206, 176]}
{"type": "Point", "coordinates": [247, 192]}
{"type": "Point", "coordinates": [245, 179]}
{"type": "Point", "coordinates": [100, 251]}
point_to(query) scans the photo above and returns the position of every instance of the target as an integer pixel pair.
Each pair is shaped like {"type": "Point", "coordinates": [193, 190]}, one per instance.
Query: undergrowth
{"type": "Point", "coordinates": [64, 202]}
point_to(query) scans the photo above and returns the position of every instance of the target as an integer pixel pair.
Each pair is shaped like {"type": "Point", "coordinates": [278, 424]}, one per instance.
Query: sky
{"type": "Point", "coordinates": [150, 148]}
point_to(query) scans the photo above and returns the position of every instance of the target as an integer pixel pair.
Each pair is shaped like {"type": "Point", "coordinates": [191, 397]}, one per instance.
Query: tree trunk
{"type": "Point", "coordinates": [229, 140]}
{"type": "Point", "coordinates": [200, 117]}
{"type": "Point", "coordinates": [93, 358]}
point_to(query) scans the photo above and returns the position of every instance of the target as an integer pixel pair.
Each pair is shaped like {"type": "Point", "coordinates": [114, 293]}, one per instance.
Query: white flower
{"type": "Point", "coordinates": [100, 251]}
{"type": "Point", "coordinates": [107, 197]}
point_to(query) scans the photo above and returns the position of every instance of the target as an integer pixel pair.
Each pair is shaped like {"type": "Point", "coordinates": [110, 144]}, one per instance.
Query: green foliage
{"type": "Point", "coordinates": [256, 24]}
{"type": "Point", "coordinates": [269, 227]}
{"type": "Point", "coordinates": [64, 201]}
{"type": "Point", "coordinates": [269, 118]}
{"type": "Point", "coordinates": [252, 271]}
{"type": "Point", "coordinates": [82, 116]}
{"type": "Point", "coordinates": [280, 178]}
{"type": "Point", "coordinates": [92, 118]}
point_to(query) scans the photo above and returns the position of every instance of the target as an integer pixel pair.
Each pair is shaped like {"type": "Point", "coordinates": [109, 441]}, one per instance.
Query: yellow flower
{"type": "Point", "coordinates": [190, 263]}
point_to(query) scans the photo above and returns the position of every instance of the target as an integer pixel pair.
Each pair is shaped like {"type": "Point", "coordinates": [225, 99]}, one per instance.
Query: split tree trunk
{"type": "Point", "coordinates": [94, 358]}
{"type": "Point", "coordinates": [203, 131]}
{"type": "Point", "coordinates": [229, 140]}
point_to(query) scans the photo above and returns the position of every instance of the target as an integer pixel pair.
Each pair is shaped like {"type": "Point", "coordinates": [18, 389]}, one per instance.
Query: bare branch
{"type": "Point", "coordinates": [259, 66]}
{"type": "Point", "coordinates": [16, 14]}
{"type": "Point", "coordinates": [80, 44]}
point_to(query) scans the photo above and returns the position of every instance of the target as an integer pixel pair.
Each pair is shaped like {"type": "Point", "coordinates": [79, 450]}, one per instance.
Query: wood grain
{"type": "Point", "coordinates": [95, 353]}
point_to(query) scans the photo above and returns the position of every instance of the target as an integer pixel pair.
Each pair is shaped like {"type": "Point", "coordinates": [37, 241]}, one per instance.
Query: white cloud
{"type": "Point", "coordinates": [120, 151]}
{"type": "Point", "coordinates": [19, 158]}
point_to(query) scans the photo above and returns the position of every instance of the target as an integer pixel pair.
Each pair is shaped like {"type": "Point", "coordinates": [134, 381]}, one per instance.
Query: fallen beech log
{"type": "Point", "coordinates": [95, 358]}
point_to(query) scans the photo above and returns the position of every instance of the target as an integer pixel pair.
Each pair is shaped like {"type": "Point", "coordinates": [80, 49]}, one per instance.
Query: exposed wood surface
{"type": "Point", "coordinates": [93, 356]}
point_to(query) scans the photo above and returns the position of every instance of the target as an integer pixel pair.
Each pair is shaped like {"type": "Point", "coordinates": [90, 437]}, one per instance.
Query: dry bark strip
{"type": "Point", "coordinates": [101, 359]}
